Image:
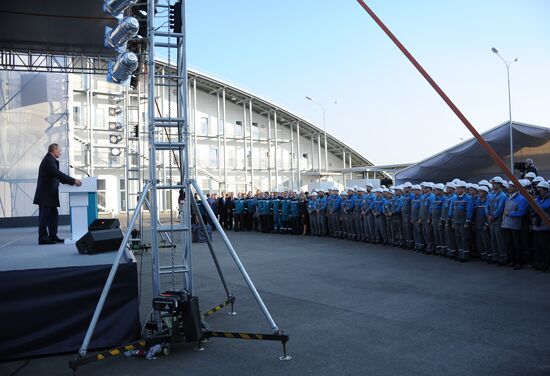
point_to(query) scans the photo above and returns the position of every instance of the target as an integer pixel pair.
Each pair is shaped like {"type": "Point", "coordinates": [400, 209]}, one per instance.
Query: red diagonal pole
{"type": "Point", "coordinates": [460, 115]}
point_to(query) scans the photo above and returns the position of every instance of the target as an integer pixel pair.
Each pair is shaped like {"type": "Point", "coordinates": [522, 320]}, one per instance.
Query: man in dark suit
{"type": "Point", "coordinates": [47, 195]}
{"type": "Point", "coordinates": [222, 213]}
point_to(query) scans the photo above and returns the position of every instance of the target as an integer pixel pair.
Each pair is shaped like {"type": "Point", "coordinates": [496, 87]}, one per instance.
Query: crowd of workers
{"type": "Point", "coordinates": [490, 220]}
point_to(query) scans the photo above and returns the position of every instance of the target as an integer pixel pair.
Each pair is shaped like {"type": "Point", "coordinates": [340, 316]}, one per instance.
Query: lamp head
{"type": "Point", "coordinates": [309, 98]}
{"type": "Point", "coordinates": [494, 50]}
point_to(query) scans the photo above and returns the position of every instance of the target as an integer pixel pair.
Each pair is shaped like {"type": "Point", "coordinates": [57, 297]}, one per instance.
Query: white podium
{"type": "Point", "coordinates": [78, 203]}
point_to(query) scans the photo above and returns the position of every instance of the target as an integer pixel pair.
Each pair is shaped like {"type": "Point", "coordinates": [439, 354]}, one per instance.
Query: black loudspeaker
{"type": "Point", "coordinates": [104, 224]}
{"type": "Point", "coordinates": [99, 241]}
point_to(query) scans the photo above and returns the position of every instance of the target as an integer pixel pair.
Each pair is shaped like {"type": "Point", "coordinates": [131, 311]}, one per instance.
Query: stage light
{"type": "Point", "coordinates": [114, 111]}
{"type": "Point", "coordinates": [117, 38]}
{"type": "Point", "coordinates": [116, 7]}
{"type": "Point", "coordinates": [120, 71]}
{"type": "Point", "coordinates": [115, 138]}
{"type": "Point", "coordinates": [115, 152]}
{"type": "Point", "coordinates": [115, 126]}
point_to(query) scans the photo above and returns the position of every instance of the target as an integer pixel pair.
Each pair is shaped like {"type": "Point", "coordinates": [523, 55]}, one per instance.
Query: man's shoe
{"type": "Point", "coordinates": [57, 239]}
{"type": "Point", "coordinates": [46, 241]}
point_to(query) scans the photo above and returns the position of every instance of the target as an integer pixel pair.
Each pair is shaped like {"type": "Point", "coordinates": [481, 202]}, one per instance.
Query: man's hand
{"type": "Point", "coordinates": [78, 182]}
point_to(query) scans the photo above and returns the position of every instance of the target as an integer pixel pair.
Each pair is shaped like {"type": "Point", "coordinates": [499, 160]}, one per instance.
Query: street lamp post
{"type": "Point", "coordinates": [507, 64]}
{"type": "Point", "coordinates": [324, 129]}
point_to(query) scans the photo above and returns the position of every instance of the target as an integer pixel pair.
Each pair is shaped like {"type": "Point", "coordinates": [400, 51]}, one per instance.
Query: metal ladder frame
{"type": "Point", "coordinates": [152, 186]}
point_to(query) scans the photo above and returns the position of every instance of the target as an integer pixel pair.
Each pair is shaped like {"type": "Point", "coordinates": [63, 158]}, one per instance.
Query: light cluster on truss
{"type": "Point", "coordinates": [117, 38]}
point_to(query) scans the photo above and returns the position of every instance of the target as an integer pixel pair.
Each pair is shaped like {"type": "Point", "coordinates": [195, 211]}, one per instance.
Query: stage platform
{"type": "Point", "coordinates": [49, 293]}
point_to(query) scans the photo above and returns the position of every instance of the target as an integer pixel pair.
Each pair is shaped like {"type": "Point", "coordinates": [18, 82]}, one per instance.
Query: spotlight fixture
{"type": "Point", "coordinates": [116, 7]}
{"type": "Point", "coordinates": [120, 71]}
{"type": "Point", "coordinates": [115, 152]}
{"type": "Point", "coordinates": [114, 111]}
{"type": "Point", "coordinates": [117, 38]}
{"type": "Point", "coordinates": [115, 126]}
{"type": "Point", "coordinates": [115, 138]}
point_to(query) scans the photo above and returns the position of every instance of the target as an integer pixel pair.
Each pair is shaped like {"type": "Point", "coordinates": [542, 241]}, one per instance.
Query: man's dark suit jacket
{"type": "Point", "coordinates": [49, 177]}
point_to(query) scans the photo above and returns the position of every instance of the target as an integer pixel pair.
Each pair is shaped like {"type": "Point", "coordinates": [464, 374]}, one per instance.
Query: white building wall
{"type": "Point", "coordinates": [209, 132]}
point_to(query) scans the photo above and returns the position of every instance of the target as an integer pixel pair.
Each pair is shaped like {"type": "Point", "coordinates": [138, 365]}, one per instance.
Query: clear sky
{"type": "Point", "coordinates": [332, 50]}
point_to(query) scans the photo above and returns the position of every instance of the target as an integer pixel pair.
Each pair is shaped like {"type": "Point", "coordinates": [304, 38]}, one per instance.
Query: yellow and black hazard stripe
{"type": "Point", "coordinates": [120, 350]}
{"type": "Point", "coordinates": [217, 308]}
{"type": "Point", "coordinates": [255, 336]}
{"type": "Point", "coordinates": [141, 344]}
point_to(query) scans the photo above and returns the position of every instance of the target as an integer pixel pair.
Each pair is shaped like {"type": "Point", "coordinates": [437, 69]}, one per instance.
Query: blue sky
{"type": "Point", "coordinates": [332, 50]}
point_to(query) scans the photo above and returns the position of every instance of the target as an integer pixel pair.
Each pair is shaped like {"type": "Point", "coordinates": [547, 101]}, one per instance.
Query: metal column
{"type": "Point", "coordinates": [245, 148]}
{"type": "Point", "coordinates": [299, 155]}
{"type": "Point", "coordinates": [251, 148]}
{"type": "Point", "coordinates": [276, 152]}
{"type": "Point", "coordinates": [291, 156]}
{"type": "Point", "coordinates": [224, 144]}
{"type": "Point", "coordinates": [269, 155]}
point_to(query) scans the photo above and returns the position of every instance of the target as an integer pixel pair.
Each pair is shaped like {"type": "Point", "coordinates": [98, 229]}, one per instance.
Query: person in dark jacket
{"type": "Point", "coordinates": [47, 195]}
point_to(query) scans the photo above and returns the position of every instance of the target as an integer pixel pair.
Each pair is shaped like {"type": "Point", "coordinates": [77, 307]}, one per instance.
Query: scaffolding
{"type": "Point", "coordinates": [168, 136]}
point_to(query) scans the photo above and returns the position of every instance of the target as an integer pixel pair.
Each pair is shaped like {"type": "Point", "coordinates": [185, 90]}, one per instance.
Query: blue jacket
{"type": "Point", "coordinates": [397, 203]}
{"type": "Point", "coordinates": [350, 203]}
{"type": "Point", "coordinates": [312, 205]}
{"type": "Point", "coordinates": [276, 206]}
{"type": "Point", "coordinates": [496, 205]}
{"type": "Point", "coordinates": [336, 203]}
{"type": "Point", "coordinates": [538, 223]}
{"type": "Point", "coordinates": [449, 204]}
{"type": "Point", "coordinates": [239, 206]}
{"type": "Point", "coordinates": [294, 207]}
{"type": "Point", "coordinates": [462, 209]}
{"type": "Point", "coordinates": [251, 204]}
{"type": "Point", "coordinates": [377, 205]}
{"type": "Point", "coordinates": [515, 208]}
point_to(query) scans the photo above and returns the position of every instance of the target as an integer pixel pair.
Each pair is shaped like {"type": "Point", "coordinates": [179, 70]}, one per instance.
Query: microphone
{"type": "Point", "coordinates": [79, 169]}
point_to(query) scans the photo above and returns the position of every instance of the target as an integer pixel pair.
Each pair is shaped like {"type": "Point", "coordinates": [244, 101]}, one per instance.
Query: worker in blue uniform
{"type": "Point", "coordinates": [515, 209]}
{"type": "Point", "coordinates": [406, 201]}
{"type": "Point", "coordinates": [357, 215]}
{"type": "Point", "coordinates": [436, 209]}
{"type": "Point", "coordinates": [495, 210]}
{"type": "Point", "coordinates": [541, 231]}
{"type": "Point", "coordinates": [397, 222]}
{"type": "Point", "coordinates": [312, 210]}
{"type": "Point", "coordinates": [416, 203]}
{"type": "Point", "coordinates": [322, 203]}
{"type": "Point", "coordinates": [295, 214]}
{"type": "Point", "coordinates": [481, 226]}
{"type": "Point", "coordinates": [425, 208]}
{"type": "Point", "coordinates": [239, 213]}
{"type": "Point", "coordinates": [461, 215]}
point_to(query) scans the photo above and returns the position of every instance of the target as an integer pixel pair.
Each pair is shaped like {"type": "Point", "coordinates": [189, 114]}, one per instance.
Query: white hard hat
{"type": "Point", "coordinates": [474, 186]}
{"type": "Point", "coordinates": [439, 186]}
{"type": "Point", "coordinates": [461, 183]}
{"type": "Point", "coordinates": [361, 189]}
{"type": "Point", "coordinates": [368, 185]}
{"type": "Point", "coordinates": [496, 179]}
{"type": "Point", "coordinates": [343, 193]}
{"type": "Point", "coordinates": [450, 185]}
{"type": "Point", "coordinates": [543, 184]}
{"type": "Point", "coordinates": [416, 186]}
{"type": "Point", "coordinates": [505, 184]}
{"type": "Point", "coordinates": [429, 185]}
{"type": "Point", "coordinates": [399, 188]}
{"type": "Point", "coordinates": [538, 179]}
{"type": "Point", "coordinates": [455, 180]}
{"type": "Point", "coordinates": [530, 175]}
{"type": "Point", "coordinates": [485, 183]}
{"type": "Point", "coordinates": [407, 185]}
{"type": "Point", "coordinates": [314, 194]}
{"type": "Point", "coordinates": [483, 188]}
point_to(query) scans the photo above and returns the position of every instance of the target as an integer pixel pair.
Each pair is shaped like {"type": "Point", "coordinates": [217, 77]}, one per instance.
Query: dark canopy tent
{"type": "Point", "coordinates": [55, 26]}
{"type": "Point", "coordinates": [470, 162]}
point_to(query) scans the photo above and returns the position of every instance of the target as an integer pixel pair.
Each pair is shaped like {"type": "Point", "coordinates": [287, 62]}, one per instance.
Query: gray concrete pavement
{"type": "Point", "coordinates": [353, 309]}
